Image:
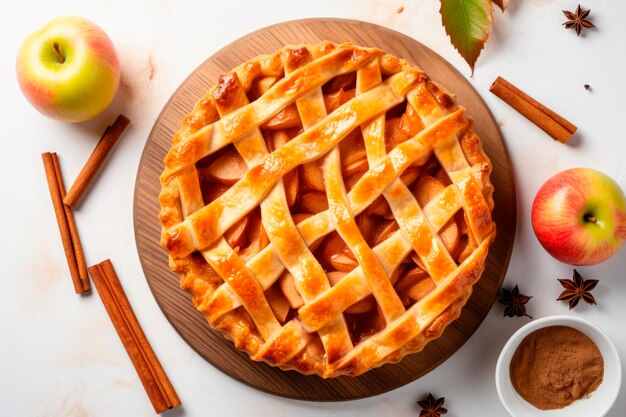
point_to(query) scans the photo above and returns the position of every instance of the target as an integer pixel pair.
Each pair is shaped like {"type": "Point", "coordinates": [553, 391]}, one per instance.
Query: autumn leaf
{"type": "Point", "coordinates": [468, 24]}
{"type": "Point", "coordinates": [502, 4]}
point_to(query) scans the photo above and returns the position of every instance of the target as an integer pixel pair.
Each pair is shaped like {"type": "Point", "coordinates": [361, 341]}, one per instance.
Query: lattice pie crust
{"type": "Point", "coordinates": [328, 207]}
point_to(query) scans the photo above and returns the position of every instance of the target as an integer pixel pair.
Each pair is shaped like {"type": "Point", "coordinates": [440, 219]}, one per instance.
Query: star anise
{"type": "Point", "coordinates": [432, 407]}
{"type": "Point", "coordinates": [577, 289]}
{"type": "Point", "coordinates": [515, 302]}
{"type": "Point", "coordinates": [577, 20]}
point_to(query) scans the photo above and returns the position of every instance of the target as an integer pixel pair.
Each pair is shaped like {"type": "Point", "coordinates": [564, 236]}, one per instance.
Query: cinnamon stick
{"type": "Point", "coordinates": [98, 156]}
{"type": "Point", "coordinates": [550, 122]}
{"type": "Point", "coordinates": [67, 226]}
{"type": "Point", "coordinates": [151, 373]}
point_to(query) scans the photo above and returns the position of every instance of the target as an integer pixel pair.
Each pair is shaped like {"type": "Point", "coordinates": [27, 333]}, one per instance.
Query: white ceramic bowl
{"type": "Point", "coordinates": [600, 401]}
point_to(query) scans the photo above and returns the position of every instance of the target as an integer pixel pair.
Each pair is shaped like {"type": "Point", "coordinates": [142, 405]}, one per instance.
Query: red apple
{"type": "Point", "coordinates": [69, 69]}
{"type": "Point", "coordinates": [579, 216]}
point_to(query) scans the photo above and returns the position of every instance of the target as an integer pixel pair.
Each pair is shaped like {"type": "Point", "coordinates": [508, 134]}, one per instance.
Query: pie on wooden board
{"type": "Point", "coordinates": [328, 207]}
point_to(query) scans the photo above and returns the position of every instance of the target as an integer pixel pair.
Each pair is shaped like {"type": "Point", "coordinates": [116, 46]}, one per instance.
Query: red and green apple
{"type": "Point", "coordinates": [579, 216]}
{"type": "Point", "coordinates": [69, 69]}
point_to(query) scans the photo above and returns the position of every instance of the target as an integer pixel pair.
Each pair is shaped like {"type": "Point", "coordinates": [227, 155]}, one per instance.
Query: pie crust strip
{"type": "Point", "coordinates": [419, 232]}
{"type": "Point", "coordinates": [374, 274]}
{"type": "Point", "coordinates": [204, 226]}
{"type": "Point", "coordinates": [223, 259]}
{"type": "Point", "coordinates": [319, 225]}
{"type": "Point", "coordinates": [345, 224]}
{"type": "Point", "coordinates": [215, 136]}
{"type": "Point", "coordinates": [451, 157]}
{"type": "Point", "coordinates": [353, 287]}
{"type": "Point", "coordinates": [309, 276]}
{"type": "Point", "coordinates": [417, 318]}
{"type": "Point", "coordinates": [293, 252]}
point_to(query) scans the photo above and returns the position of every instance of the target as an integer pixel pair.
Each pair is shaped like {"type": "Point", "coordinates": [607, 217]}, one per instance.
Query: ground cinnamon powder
{"type": "Point", "coordinates": [555, 366]}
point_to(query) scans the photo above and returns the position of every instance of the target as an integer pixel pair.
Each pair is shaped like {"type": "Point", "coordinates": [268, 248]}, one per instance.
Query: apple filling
{"type": "Point", "coordinates": [306, 196]}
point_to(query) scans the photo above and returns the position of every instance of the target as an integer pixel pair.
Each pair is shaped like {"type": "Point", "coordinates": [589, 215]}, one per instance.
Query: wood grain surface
{"type": "Point", "coordinates": [176, 304]}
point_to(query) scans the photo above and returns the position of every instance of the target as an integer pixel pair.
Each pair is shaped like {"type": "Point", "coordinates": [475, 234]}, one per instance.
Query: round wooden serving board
{"type": "Point", "coordinates": [176, 304]}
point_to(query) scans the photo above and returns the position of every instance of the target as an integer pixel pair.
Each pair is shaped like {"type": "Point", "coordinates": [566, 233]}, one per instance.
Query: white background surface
{"type": "Point", "coordinates": [60, 355]}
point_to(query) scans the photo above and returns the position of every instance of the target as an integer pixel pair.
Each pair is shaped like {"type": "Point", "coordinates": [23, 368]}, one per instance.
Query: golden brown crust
{"type": "Point", "coordinates": [313, 342]}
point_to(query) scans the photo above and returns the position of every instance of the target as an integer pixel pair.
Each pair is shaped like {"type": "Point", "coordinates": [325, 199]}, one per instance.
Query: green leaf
{"type": "Point", "coordinates": [468, 24]}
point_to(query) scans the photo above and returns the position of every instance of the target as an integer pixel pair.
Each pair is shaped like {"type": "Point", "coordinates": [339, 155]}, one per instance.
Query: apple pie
{"type": "Point", "coordinates": [328, 208]}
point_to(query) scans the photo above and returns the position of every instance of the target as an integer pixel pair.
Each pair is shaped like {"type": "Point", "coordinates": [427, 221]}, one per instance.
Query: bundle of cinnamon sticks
{"type": "Point", "coordinates": [156, 383]}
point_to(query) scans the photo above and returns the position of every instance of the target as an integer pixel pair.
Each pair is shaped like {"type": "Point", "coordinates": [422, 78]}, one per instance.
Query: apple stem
{"type": "Point", "coordinates": [58, 51]}
{"type": "Point", "coordinates": [590, 218]}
